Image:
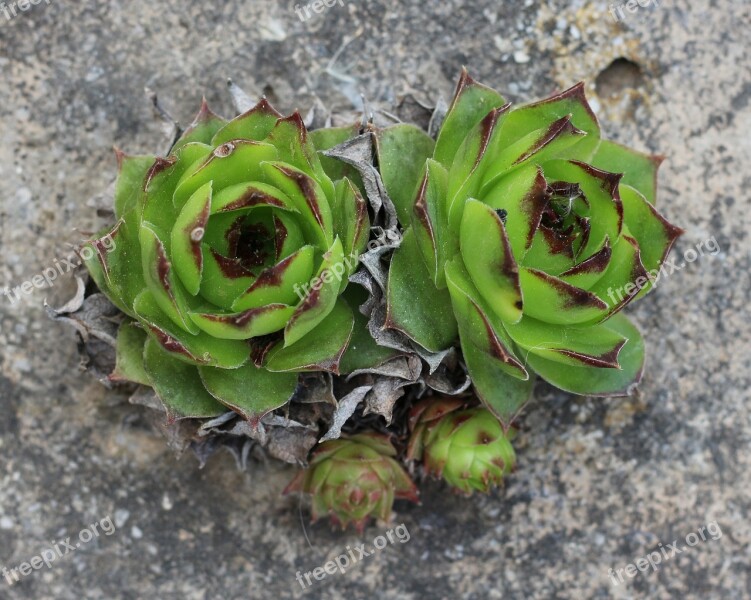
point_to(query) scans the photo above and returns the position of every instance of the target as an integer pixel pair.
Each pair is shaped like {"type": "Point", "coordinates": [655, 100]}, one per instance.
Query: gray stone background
{"type": "Point", "coordinates": [600, 482]}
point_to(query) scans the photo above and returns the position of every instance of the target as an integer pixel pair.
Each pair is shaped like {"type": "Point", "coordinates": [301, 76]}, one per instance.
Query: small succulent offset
{"type": "Point", "coordinates": [524, 227]}
{"type": "Point", "coordinates": [522, 232]}
{"type": "Point", "coordinates": [213, 245]}
{"type": "Point", "coordinates": [468, 448]}
{"type": "Point", "coordinates": [355, 479]}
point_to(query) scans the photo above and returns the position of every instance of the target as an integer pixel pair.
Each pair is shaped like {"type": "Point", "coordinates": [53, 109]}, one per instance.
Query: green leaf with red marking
{"type": "Point", "coordinates": [187, 235]}
{"type": "Point", "coordinates": [402, 151]}
{"type": "Point", "coordinates": [131, 340]}
{"type": "Point", "coordinates": [639, 170]}
{"type": "Point", "coordinates": [319, 297]}
{"type": "Point", "coordinates": [594, 381]}
{"type": "Point", "coordinates": [472, 102]}
{"type": "Point", "coordinates": [131, 180]}
{"type": "Point", "coordinates": [250, 391]}
{"type": "Point", "coordinates": [199, 349]}
{"type": "Point", "coordinates": [478, 325]}
{"type": "Point", "coordinates": [489, 260]}
{"type": "Point", "coordinates": [202, 129]}
{"type": "Point", "coordinates": [255, 124]}
{"type": "Point", "coordinates": [178, 385]}
{"type": "Point", "coordinates": [414, 305]}
{"type": "Point", "coordinates": [321, 349]}
{"type": "Point", "coordinates": [430, 222]}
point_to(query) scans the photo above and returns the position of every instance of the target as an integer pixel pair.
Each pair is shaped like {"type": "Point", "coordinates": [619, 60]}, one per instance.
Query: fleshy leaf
{"type": "Point", "coordinates": [590, 270]}
{"type": "Point", "coordinates": [625, 276]}
{"type": "Point", "coordinates": [280, 283]}
{"type": "Point", "coordinates": [415, 306]}
{"type": "Point", "coordinates": [552, 300]}
{"type": "Point", "coordinates": [595, 345]}
{"type": "Point", "coordinates": [402, 151]}
{"type": "Point", "coordinates": [200, 349]}
{"type": "Point", "coordinates": [254, 124]}
{"type": "Point", "coordinates": [129, 358]}
{"type": "Point", "coordinates": [472, 102]}
{"type": "Point", "coordinates": [521, 195]}
{"type": "Point", "coordinates": [430, 222]}
{"type": "Point", "coordinates": [466, 175]}
{"type": "Point", "coordinates": [572, 101]}
{"type": "Point", "coordinates": [229, 164]}
{"type": "Point", "coordinates": [320, 297]}
{"type": "Point", "coordinates": [594, 381]}
{"type": "Point", "coordinates": [654, 234]}
{"type": "Point", "coordinates": [131, 180]}
{"type": "Point", "coordinates": [244, 325]}
{"type": "Point", "coordinates": [501, 393]}
{"type": "Point", "coordinates": [202, 129]}
{"type": "Point", "coordinates": [178, 385]}
{"type": "Point", "coordinates": [490, 261]}
{"type": "Point", "coordinates": [478, 326]}
{"type": "Point", "coordinates": [115, 264]}
{"type": "Point", "coordinates": [536, 147]}
{"type": "Point", "coordinates": [224, 278]}
{"type": "Point", "coordinates": [249, 391]}
{"type": "Point", "coordinates": [190, 226]}
{"type": "Point", "coordinates": [639, 169]}
{"type": "Point", "coordinates": [320, 349]}
{"type": "Point", "coordinates": [295, 148]}
{"type": "Point", "coordinates": [244, 196]}
{"type": "Point", "coordinates": [351, 221]}
{"type": "Point", "coordinates": [156, 204]}
{"type": "Point", "coordinates": [168, 292]}
{"type": "Point", "coordinates": [308, 198]}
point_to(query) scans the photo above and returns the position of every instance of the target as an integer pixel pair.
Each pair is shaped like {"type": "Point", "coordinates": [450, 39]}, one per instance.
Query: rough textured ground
{"type": "Point", "coordinates": [599, 484]}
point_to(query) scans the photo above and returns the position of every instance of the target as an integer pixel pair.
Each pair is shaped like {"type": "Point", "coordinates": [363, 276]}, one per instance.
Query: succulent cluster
{"type": "Point", "coordinates": [468, 448]}
{"type": "Point", "coordinates": [523, 226]}
{"type": "Point", "coordinates": [354, 479]}
{"type": "Point", "coordinates": [517, 229]}
{"type": "Point", "coordinates": [213, 246]}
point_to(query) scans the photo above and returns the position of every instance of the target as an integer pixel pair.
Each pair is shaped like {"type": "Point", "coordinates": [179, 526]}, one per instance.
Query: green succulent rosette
{"type": "Point", "coordinates": [354, 479]}
{"type": "Point", "coordinates": [468, 448]}
{"type": "Point", "coordinates": [231, 256]}
{"type": "Point", "coordinates": [526, 234]}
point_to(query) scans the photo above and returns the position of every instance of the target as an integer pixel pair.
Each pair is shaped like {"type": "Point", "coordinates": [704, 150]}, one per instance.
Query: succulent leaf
{"type": "Point", "coordinates": [595, 381]}
{"type": "Point", "coordinates": [639, 170]}
{"type": "Point", "coordinates": [472, 102]}
{"type": "Point", "coordinates": [415, 307]}
{"type": "Point", "coordinates": [249, 391]}
{"type": "Point", "coordinates": [202, 129]}
{"type": "Point", "coordinates": [320, 349]}
{"type": "Point", "coordinates": [178, 385]}
{"type": "Point", "coordinates": [131, 340]}
{"type": "Point", "coordinates": [402, 151]}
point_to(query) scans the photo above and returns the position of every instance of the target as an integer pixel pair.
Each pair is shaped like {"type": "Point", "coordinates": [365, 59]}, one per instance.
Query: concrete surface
{"type": "Point", "coordinates": [600, 483]}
